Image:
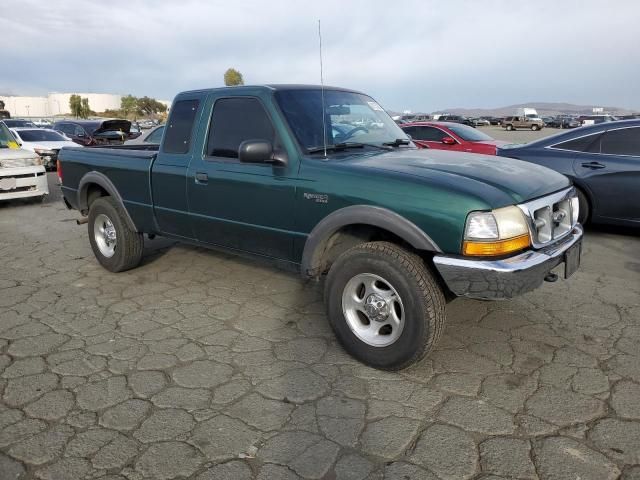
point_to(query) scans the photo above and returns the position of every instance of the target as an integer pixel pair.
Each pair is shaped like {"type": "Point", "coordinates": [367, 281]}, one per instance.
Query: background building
{"type": "Point", "coordinates": [57, 104]}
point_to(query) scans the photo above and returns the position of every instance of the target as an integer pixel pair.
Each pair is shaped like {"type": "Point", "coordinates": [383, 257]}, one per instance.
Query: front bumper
{"type": "Point", "coordinates": [506, 278]}
{"type": "Point", "coordinates": [24, 181]}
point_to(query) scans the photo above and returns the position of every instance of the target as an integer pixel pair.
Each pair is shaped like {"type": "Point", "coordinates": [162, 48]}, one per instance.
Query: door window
{"type": "Point", "coordinates": [430, 134]}
{"type": "Point", "coordinates": [180, 127]}
{"type": "Point", "coordinates": [235, 120]}
{"type": "Point", "coordinates": [622, 141]}
{"type": "Point", "coordinates": [588, 143]}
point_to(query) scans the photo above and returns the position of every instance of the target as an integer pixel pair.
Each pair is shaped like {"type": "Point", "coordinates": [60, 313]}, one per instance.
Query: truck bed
{"type": "Point", "coordinates": [128, 169]}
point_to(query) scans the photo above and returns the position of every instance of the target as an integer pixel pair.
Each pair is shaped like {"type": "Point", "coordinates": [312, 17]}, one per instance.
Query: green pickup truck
{"type": "Point", "coordinates": [322, 181]}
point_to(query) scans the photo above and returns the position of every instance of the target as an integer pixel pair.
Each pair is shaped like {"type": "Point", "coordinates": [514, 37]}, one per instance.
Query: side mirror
{"type": "Point", "coordinates": [80, 135]}
{"type": "Point", "coordinates": [255, 151]}
{"type": "Point", "coordinates": [448, 141]}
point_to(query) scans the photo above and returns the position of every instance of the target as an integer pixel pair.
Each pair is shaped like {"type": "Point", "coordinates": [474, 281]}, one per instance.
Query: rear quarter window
{"type": "Point", "coordinates": [179, 129]}
{"type": "Point", "coordinates": [623, 141]}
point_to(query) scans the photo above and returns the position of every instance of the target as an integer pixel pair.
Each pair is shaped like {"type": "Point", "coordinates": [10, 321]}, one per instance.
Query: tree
{"type": "Point", "coordinates": [128, 104]}
{"type": "Point", "coordinates": [233, 77]}
{"type": "Point", "coordinates": [85, 111]}
{"type": "Point", "coordinates": [147, 106]}
{"type": "Point", "coordinates": [75, 104]}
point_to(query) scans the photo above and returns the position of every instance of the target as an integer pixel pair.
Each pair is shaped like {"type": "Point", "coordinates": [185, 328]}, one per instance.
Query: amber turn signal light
{"type": "Point", "coordinates": [496, 248]}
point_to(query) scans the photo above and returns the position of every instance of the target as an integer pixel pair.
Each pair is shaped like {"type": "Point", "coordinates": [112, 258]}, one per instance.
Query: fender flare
{"type": "Point", "coordinates": [360, 215]}
{"type": "Point", "coordinates": [100, 179]}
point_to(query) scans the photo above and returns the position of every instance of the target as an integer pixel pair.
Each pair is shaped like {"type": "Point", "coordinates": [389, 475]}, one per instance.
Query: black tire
{"type": "Point", "coordinates": [535, 128]}
{"type": "Point", "coordinates": [509, 127]}
{"type": "Point", "coordinates": [423, 303]}
{"type": "Point", "coordinates": [585, 210]}
{"type": "Point", "coordinates": [129, 243]}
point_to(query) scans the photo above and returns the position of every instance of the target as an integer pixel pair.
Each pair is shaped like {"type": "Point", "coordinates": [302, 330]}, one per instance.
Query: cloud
{"type": "Point", "coordinates": [420, 55]}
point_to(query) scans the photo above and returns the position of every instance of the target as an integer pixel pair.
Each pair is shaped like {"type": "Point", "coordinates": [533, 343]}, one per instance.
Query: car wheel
{"type": "Point", "coordinates": [534, 127]}
{"type": "Point", "coordinates": [509, 127]}
{"type": "Point", "coordinates": [583, 205]}
{"type": "Point", "coordinates": [116, 246]}
{"type": "Point", "coordinates": [384, 305]}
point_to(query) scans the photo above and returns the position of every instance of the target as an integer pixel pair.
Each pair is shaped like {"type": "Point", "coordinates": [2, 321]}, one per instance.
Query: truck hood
{"type": "Point", "coordinates": [48, 145]}
{"type": "Point", "coordinates": [17, 157]}
{"type": "Point", "coordinates": [499, 181]}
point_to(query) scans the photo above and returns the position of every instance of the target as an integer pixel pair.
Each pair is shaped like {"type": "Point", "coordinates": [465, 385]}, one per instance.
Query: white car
{"type": "Point", "coordinates": [43, 141]}
{"type": "Point", "coordinates": [21, 171]}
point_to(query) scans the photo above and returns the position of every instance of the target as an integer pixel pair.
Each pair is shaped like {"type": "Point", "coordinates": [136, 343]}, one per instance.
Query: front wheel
{"type": "Point", "coordinates": [116, 246]}
{"type": "Point", "coordinates": [583, 207]}
{"type": "Point", "coordinates": [535, 127]}
{"type": "Point", "coordinates": [509, 127]}
{"type": "Point", "coordinates": [384, 305]}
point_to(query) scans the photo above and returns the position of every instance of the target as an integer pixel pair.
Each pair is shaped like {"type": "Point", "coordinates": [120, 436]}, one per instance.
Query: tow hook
{"type": "Point", "coordinates": [551, 277]}
{"type": "Point", "coordinates": [82, 221]}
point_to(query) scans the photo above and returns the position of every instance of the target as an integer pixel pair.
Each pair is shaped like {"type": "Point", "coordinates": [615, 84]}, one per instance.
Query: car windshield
{"type": "Point", "coordinates": [469, 134]}
{"type": "Point", "coordinates": [19, 123]}
{"type": "Point", "coordinates": [39, 135]}
{"type": "Point", "coordinates": [349, 117]}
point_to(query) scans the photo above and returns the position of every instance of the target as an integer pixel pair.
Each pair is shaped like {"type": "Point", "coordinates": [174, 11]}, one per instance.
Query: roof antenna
{"type": "Point", "coordinates": [324, 119]}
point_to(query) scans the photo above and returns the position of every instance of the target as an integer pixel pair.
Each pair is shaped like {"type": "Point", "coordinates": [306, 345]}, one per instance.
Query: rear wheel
{"type": "Point", "coordinates": [116, 246]}
{"type": "Point", "coordinates": [384, 305]}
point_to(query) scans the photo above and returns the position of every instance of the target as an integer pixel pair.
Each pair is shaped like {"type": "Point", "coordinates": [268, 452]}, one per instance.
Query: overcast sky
{"type": "Point", "coordinates": [420, 55]}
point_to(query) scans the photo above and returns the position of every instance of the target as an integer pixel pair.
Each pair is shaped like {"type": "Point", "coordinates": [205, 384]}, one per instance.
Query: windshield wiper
{"type": "Point", "coordinates": [344, 146]}
{"type": "Point", "coordinates": [397, 142]}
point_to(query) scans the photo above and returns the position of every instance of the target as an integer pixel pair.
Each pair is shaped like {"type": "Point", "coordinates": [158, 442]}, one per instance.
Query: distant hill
{"type": "Point", "coordinates": [543, 108]}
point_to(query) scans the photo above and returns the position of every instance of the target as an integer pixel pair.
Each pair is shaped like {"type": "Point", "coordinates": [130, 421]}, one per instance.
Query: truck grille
{"type": "Point", "coordinates": [552, 217]}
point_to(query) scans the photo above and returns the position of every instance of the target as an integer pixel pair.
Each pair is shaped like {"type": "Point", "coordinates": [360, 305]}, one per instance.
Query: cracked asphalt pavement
{"type": "Point", "coordinates": [202, 365]}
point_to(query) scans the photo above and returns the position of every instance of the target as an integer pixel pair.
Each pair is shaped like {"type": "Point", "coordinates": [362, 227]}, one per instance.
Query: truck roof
{"type": "Point", "coordinates": [271, 87]}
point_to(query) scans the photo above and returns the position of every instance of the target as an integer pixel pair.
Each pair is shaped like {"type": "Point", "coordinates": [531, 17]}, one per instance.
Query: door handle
{"type": "Point", "coordinates": [202, 177]}
{"type": "Point", "coordinates": [593, 165]}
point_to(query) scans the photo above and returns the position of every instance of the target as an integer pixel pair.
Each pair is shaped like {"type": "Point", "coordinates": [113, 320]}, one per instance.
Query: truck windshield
{"type": "Point", "coordinates": [349, 118]}
{"type": "Point", "coordinates": [6, 139]}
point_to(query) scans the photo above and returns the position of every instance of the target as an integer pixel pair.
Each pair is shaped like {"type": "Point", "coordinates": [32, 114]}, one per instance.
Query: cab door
{"type": "Point", "coordinates": [242, 206]}
{"type": "Point", "coordinates": [169, 174]}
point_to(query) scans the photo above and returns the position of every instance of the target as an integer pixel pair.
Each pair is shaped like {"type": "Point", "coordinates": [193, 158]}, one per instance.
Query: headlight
{"type": "Point", "coordinates": [575, 210]}
{"type": "Point", "coordinates": [495, 233]}
{"type": "Point", "coordinates": [42, 151]}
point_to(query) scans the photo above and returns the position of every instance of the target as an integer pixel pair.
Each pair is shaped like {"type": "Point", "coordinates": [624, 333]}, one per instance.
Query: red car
{"type": "Point", "coordinates": [451, 136]}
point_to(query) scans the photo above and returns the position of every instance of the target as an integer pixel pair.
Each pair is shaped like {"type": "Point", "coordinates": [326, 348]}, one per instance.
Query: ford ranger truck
{"type": "Point", "coordinates": [22, 174]}
{"type": "Point", "coordinates": [335, 190]}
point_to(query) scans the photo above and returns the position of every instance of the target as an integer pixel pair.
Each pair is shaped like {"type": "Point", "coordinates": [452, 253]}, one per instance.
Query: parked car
{"type": "Point", "coordinates": [95, 132]}
{"type": "Point", "coordinates": [396, 230]}
{"type": "Point", "coordinates": [594, 119]}
{"type": "Point", "coordinates": [44, 142]}
{"type": "Point", "coordinates": [18, 122]}
{"type": "Point", "coordinates": [562, 121]}
{"type": "Point", "coordinates": [451, 136]}
{"type": "Point", "coordinates": [456, 119]}
{"type": "Point", "coordinates": [21, 171]}
{"type": "Point", "coordinates": [602, 160]}
{"type": "Point", "coordinates": [150, 137]}
{"type": "Point", "coordinates": [134, 131]}
{"type": "Point", "coordinates": [513, 123]}
{"type": "Point", "coordinates": [480, 122]}
{"type": "Point", "coordinates": [493, 120]}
